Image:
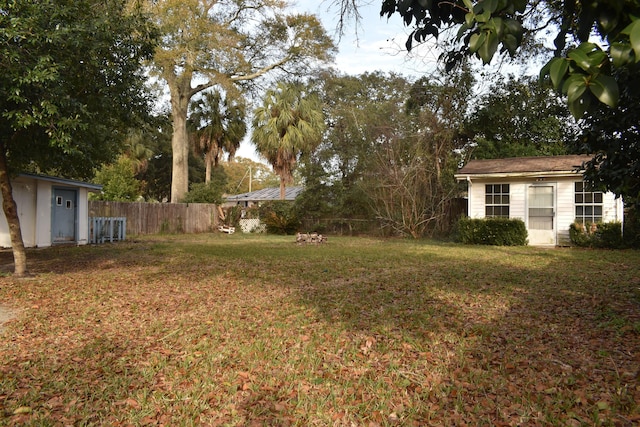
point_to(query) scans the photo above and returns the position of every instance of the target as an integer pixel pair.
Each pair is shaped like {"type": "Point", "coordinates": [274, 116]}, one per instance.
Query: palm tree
{"type": "Point", "coordinates": [289, 123]}
{"type": "Point", "coordinates": [217, 125]}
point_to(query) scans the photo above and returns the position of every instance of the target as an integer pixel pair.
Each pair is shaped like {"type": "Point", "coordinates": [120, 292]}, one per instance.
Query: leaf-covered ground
{"type": "Point", "coordinates": [254, 330]}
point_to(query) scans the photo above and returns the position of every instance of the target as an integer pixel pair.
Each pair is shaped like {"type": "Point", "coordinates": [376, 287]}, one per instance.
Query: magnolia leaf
{"type": "Point", "coordinates": [575, 90]}
{"type": "Point", "coordinates": [476, 41]}
{"type": "Point", "coordinates": [573, 79]}
{"type": "Point", "coordinates": [579, 107]}
{"type": "Point", "coordinates": [463, 28]}
{"type": "Point", "coordinates": [511, 43]}
{"type": "Point", "coordinates": [489, 47]}
{"type": "Point", "coordinates": [497, 24]}
{"type": "Point", "coordinates": [490, 5]}
{"type": "Point", "coordinates": [581, 59]}
{"type": "Point", "coordinates": [605, 88]}
{"type": "Point", "coordinates": [608, 19]}
{"type": "Point", "coordinates": [469, 18]}
{"type": "Point", "coordinates": [621, 54]}
{"type": "Point", "coordinates": [557, 70]}
{"type": "Point", "coordinates": [634, 38]}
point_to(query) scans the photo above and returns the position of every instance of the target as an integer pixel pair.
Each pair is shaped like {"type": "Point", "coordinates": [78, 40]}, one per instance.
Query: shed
{"type": "Point", "coordinates": [547, 193]}
{"type": "Point", "coordinates": [51, 211]}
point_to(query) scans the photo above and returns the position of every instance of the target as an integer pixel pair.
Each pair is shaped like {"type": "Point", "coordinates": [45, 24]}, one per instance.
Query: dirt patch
{"type": "Point", "coordinates": [6, 314]}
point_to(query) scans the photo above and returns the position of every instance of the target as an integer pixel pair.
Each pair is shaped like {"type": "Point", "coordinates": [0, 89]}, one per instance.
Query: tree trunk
{"type": "Point", "coordinates": [180, 89]}
{"type": "Point", "coordinates": [208, 164]}
{"type": "Point", "coordinates": [180, 154]}
{"type": "Point", "coordinates": [11, 213]}
{"type": "Point", "coordinates": [282, 187]}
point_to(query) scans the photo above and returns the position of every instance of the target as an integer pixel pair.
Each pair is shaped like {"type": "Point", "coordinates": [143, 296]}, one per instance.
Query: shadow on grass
{"type": "Point", "coordinates": [420, 330]}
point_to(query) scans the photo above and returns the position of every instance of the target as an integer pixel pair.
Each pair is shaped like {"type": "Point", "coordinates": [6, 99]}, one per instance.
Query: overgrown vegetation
{"type": "Point", "coordinates": [255, 330]}
{"type": "Point", "coordinates": [279, 217]}
{"type": "Point", "coordinates": [600, 235]}
{"type": "Point", "coordinates": [491, 231]}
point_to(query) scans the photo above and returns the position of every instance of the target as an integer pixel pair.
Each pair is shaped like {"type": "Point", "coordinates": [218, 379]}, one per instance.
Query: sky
{"type": "Point", "coordinates": [376, 44]}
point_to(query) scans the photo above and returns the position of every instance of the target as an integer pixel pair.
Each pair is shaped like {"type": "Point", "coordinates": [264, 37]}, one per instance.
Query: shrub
{"type": "Point", "coordinates": [600, 235]}
{"type": "Point", "coordinates": [279, 217]}
{"type": "Point", "coordinates": [491, 231]}
{"type": "Point", "coordinates": [203, 193]}
{"type": "Point", "coordinates": [631, 234]}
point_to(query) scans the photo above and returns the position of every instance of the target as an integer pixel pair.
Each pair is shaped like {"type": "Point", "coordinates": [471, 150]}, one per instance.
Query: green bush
{"type": "Point", "coordinates": [279, 217]}
{"type": "Point", "coordinates": [600, 235]}
{"type": "Point", "coordinates": [203, 193]}
{"type": "Point", "coordinates": [631, 233]}
{"type": "Point", "coordinates": [491, 231]}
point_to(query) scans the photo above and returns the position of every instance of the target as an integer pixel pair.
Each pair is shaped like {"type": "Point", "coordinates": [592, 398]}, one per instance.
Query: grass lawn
{"type": "Point", "coordinates": [252, 330]}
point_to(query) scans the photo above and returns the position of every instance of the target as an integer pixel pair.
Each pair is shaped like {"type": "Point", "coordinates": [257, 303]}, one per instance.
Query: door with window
{"type": "Point", "coordinates": [65, 207]}
{"type": "Point", "coordinates": [541, 214]}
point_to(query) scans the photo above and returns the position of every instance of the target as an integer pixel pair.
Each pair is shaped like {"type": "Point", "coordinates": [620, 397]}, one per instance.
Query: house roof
{"type": "Point", "coordinates": [63, 181]}
{"type": "Point", "coordinates": [266, 194]}
{"type": "Point", "coordinates": [554, 165]}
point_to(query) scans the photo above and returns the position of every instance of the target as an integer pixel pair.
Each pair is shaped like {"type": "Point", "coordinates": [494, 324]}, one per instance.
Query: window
{"type": "Point", "coordinates": [496, 201]}
{"type": "Point", "coordinates": [588, 204]}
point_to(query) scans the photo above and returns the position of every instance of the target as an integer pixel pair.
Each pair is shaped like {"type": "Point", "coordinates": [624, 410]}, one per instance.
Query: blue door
{"type": "Point", "coordinates": [65, 214]}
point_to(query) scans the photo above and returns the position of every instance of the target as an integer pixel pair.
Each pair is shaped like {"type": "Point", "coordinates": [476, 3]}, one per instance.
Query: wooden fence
{"type": "Point", "coordinates": [154, 218]}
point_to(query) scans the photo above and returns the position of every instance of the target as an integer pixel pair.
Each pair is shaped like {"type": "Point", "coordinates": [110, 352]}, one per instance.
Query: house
{"type": "Point", "coordinates": [547, 193]}
{"type": "Point", "coordinates": [254, 198]}
{"type": "Point", "coordinates": [51, 211]}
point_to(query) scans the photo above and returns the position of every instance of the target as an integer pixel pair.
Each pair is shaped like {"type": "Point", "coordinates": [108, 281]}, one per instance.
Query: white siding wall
{"type": "Point", "coordinates": [34, 200]}
{"type": "Point", "coordinates": [24, 193]}
{"type": "Point", "coordinates": [517, 200]}
{"type": "Point", "coordinates": [565, 206]}
{"type": "Point", "coordinates": [565, 209]}
{"type": "Point", "coordinates": [43, 212]}
{"type": "Point", "coordinates": [83, 216]}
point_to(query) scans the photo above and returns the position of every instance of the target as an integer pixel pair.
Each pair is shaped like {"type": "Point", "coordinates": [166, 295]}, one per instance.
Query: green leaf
{"type": "Point", "coordinates": [490, 5]}
{"type": "Point", "coordinates": [476, 41]}
{"type": "Point", "coordinates": [488, 48]}
{"type": "Point", "coordinates": [483, 17]}
{"type": "Point", "coordinates": [579, 107]}
{"type": "Point", "coordinates": [573, 79]}
{"type": "Point", "coordinates": [621, 54]}
{"type": "Point", "coordinates": [581, 59]}
{"type": "Point", "coordinates": [463, 28]}
{"type": "Point", "coordinates": [605, 88]}
{"type": "Point", "coordinates": [634, 38]}
{"type": "Point", "coordinates": [544, 71]}
{"type": "Point", "coordinates": [575, 90]}
{"type": "Point", "coordinates": [469, 18]}
{"type": "Point", "coordinates": [557, 71]}
{"type": "Point", "coordinates": [498, 26]}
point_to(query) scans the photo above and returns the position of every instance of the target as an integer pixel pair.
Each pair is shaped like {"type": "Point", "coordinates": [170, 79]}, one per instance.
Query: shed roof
{"type": "Point", "coordinates": [266, 194]}
{"type": "Point", "coordinates": [524, 165]}
{"type": "Point", "coordinates": [64, 181]}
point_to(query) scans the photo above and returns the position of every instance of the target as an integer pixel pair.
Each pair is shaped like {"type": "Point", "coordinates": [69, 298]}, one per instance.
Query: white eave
{"type": "Point", "coordinates": [547, 174]}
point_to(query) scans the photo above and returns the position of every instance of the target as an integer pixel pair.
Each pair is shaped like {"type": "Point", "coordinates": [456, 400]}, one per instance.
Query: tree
{"type": "Point", "coordinates": [414, 183]}
{"type": "Point", "coordinates": [218, 126]}
{"type": "Point", "coordinates": [613, 136]}
{"type": "Point", "coordinates": [70, 82]}
{"type": "Point", "coordinates": [118, 181]}
{"type": "Point", "coordinates": [245, 175]}
{"type": "Point", "coordinates": [207, 43]}
{"type": "Point", "coordinates": [520, 117]}
{"type": "Point", "coordinates": [359, 111]}
{"type": "Point", "coordinates": [581, 70]}
{"type": "Point", "coordinates": [288, 124]}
